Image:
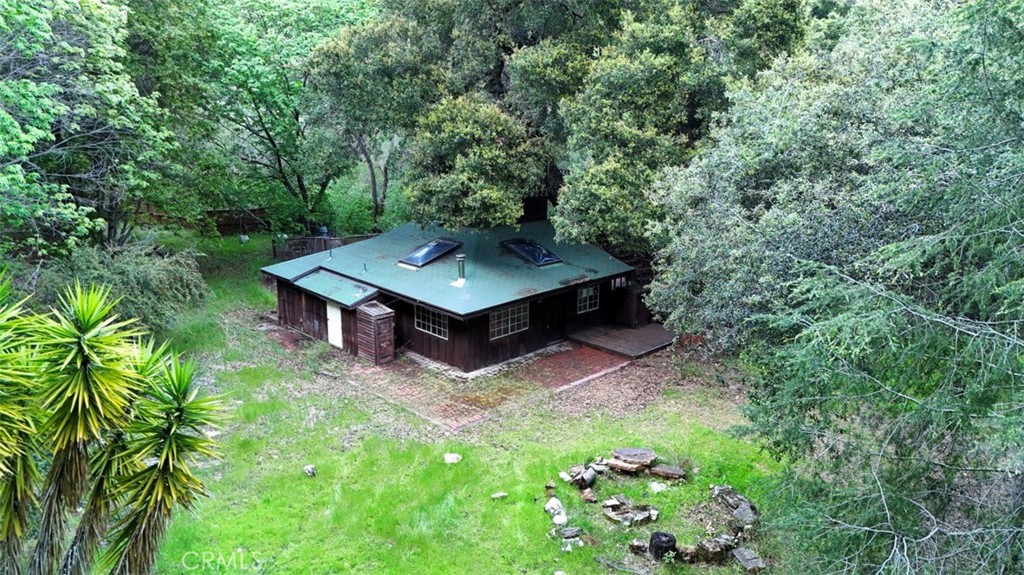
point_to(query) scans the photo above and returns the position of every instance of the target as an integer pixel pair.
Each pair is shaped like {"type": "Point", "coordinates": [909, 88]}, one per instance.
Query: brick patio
{"type": "Point", "coordinates": [454, 403]}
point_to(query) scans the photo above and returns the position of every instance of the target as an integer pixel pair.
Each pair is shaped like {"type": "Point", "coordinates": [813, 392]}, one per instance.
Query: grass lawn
{"type": "Point", "coordinates": [383, 500]}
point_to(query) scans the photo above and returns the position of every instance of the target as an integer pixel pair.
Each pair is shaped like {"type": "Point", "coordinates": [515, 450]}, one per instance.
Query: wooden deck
{"type": "Point", "coordinates": [625, 341]}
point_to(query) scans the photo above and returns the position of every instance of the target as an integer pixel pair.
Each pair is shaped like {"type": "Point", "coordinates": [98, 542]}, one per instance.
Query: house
{"type": "Point", "coordinates": [469, 299]}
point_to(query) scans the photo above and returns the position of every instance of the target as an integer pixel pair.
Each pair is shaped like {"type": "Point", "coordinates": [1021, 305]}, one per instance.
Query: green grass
{"type": "Point", "coordinates": [383, 504]}
{"type": "Point", "coordinates": [232, 272]}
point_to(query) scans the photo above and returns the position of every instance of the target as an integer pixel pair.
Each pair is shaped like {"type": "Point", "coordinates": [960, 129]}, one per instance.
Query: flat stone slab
{"type": "Point", "coordinates": [623, 466]}
{"type": "Point", "coordinates": [668, 471]}
{"type": "Point", "coordinates": [749, 559]}
{"type": "Point", "coordinates": [636, 455]}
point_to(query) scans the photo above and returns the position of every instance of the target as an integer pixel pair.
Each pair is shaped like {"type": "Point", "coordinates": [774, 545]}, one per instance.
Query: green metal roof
{"type": "Point", "coordinates": [494, 275]}
{"type": "Point", "coordinates": [335, 287]}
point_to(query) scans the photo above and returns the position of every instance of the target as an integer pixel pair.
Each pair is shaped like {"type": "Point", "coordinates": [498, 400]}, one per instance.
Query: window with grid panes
{"type": "Point", "coordinates": [432, 322]}
{"type": "Point", "coordinates": [510, 320]}
{"type": "Point", "coordinates": [587, 299]}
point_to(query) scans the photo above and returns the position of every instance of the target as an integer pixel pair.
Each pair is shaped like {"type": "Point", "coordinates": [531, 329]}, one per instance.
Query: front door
{"type": "Point", "coordinates": [551, 315]}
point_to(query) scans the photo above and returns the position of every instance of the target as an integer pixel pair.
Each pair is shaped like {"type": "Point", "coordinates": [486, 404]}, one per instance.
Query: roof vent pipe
{"type": "Point", "coordinates": [461, 259]}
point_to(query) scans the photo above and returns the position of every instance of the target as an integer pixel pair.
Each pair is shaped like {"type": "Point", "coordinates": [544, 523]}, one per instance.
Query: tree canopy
{"type": "Point", "coordinates": [855, 227]}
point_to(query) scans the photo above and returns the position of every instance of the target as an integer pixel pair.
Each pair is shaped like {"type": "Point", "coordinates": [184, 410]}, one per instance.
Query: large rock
{"type": "Point", "coordinates": [749, 559]}
{"type": "Point", "coordinates": [745, 514]}
{"type": "Point", "coordinates": [661, 544]}
{"type": "Point", "coordinates": [585, 478]}
{"type": "Point", "coordinates": [553, 506]}
{"type": "Point", "coordinates": [636, 455]}
{"type": "Point", "coordinates": [728, 496]}
{"type": "Point", "coordinates": [715, 550]}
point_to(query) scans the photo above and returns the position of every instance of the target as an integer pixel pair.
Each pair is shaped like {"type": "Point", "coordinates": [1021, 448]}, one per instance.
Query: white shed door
{"type": "Point", "coordinates": [334, 325]}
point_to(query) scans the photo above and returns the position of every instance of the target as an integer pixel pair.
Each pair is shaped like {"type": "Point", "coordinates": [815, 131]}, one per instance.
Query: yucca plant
{"type": "Point", "coordinates": [19, 420]}
{"type": "Point", "coordinates": [111, 462]}
{"type": "Point", "coordinates": [88, 385]}
{"type": "Point", "coordinates": [120, 421]}
{"type": "Point", "coordinates": [168, 434]}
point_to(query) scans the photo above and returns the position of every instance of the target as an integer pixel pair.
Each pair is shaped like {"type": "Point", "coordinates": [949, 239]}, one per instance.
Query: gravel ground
{"type": "Point", "coordinates": [671, 378]}
{"type": "Point", "coordinates": [702, 391]}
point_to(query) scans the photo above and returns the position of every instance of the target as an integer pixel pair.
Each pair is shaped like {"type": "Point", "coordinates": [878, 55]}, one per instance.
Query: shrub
{"type": "Point", "coordinates": [154, 285]}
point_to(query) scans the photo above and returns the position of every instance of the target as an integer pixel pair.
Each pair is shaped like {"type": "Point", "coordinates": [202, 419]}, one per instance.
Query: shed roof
{"type": "Point", "coordinates": [494, 275]}
{"type": "Point", "coordinates": [336, 288]}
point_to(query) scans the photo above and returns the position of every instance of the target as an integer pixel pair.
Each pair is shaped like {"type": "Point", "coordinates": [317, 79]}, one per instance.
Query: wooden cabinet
{"type": "Point", "coordinates": [375, 327]}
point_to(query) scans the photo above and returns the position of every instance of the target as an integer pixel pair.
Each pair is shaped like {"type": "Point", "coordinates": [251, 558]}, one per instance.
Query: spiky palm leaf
{"type": "Point", "coordinates": [19, 417]}
{"type": "Point", "coordinates": [88, 388]}
{"type": "Point", "coordinates": [168, 435]}
{"type": "Point", "coordinates": [110, 464]}
{"type": "Point", "coordinates": [16, 498]}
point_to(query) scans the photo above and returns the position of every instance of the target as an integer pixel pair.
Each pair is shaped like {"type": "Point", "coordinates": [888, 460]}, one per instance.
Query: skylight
{"type": "Point", "coordinates": [531, 251]}
{"type": "Point", "coordinates": [429, 252]}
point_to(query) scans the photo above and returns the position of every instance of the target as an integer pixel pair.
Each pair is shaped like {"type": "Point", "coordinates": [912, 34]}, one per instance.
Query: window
{"type": "Point", "coordinates": [620, 283]}
{"type": "Point", "coordinates": [510, 320]}
{"type": "Point", "coordinates": [587, 299]}
{"type": "Point", "coordinates": [531, 251]}
{"type": "Point", "coordinates": [432, 322]}
{"type": "Point", "coordinates": [429, 252]}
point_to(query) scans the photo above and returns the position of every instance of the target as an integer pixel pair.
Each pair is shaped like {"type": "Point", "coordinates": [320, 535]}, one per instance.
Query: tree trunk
{"type": "Point", "coordinates": [365, 152]}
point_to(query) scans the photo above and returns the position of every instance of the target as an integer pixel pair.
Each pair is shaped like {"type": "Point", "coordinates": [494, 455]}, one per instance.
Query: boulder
{"type": "Point", "coordinates": [636, 455]}
{"type": "Point", "coordinates": [452, 458]}
{"type": "Point", "coordinates": [554, 506]}
{"type": "Point", "coordinates": [638, 546]}
{"type": "Point", "coordinates": [749, 559]}
{"type": "Point", "coordinates": [585, 479]}
{"type": "Point", "coordinates": [658, 487]}
{"type": "Point", "coordinates": [661, 544]}
{"type": "Point", "coordinates": [560, 518]}
{"type": "Point", "coordinates": [310, 470]}
{"type": "Point", "coordinates": [588, 495]}
{"type": "Point", "coordinates": [499, 495]}
{"type": "Point", "coordinates": [728, 496]}
{"type": "Point", "coordinates": [745, 514]}
{"type": "Point", "coordinates": [565, 477]}
{"type": "Point", "coordinates": [716, 549]}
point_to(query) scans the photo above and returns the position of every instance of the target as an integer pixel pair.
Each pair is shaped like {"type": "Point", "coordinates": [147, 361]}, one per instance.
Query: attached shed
{"type": "Point", "coordinates": [468, 299]}
{"type": "Point", "coordinates": [322, 304]}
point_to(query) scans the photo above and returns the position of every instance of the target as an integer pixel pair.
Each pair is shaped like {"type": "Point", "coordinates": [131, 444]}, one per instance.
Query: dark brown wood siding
{"type": "Point", "coordinates": [468, 346]}
{"type": "Point", "coordinates": [302, 311]}
{"type": "Point", "coordinates": [453, 351]}
{"type": "Point", "coordinates": [349, 337]}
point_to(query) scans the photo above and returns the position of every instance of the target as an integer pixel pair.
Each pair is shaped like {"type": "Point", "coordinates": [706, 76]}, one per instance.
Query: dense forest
{"type": "Point", "coordinates": [830, 190]}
